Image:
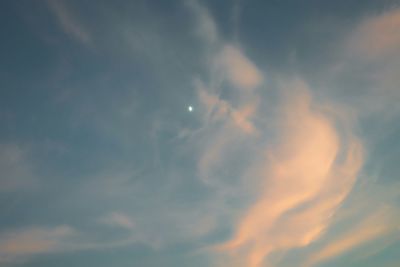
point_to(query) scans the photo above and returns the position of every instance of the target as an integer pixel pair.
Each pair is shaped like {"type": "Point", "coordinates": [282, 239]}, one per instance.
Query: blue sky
{"type": "Point", "coordinates": [288, 158]}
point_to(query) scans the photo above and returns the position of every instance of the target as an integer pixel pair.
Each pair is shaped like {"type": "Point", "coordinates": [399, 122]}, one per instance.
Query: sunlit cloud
{"type": "Point", "coordinates": [304, 184]}
{"type": "Point", "coordinates": [377, 225]}
{"type": "Point", "coordinates": [374, 46]}
{"type": "Point", "coordinates": [28, 242]}
{"type": "Point", "coordinates": [240, 71]}
{"type": "Point", "coordinates": [378, 36]}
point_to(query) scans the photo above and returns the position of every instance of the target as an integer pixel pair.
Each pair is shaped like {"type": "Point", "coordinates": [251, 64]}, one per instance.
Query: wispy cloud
{"type": "Point", "coordinates": [15, 166]}
{"type": "Point", "coordinates": [278, 181]}
{"type": "Point", "coordinates": [27, 242]}
{"type": "Point", "coordinates": [312, 170]}
{"type": "Point", "coordinates": [377, 36]}
{"type": "Point", "coordinates": [305, 177]}
{"type": "Point", "coordinates": [377, 225]}
{"type": "Point", "coordinates": [69, 22]}
{"type": "Point", "coordinates": [206, 26]}
{"type": "Point", "coordinates": [240, 71]}
{"type": "Point", "coordinates": [225, 123]}
{"type": "Point", "coordinates": [367, 64]}
{"type": "Point", "coordinates": [304, 183]}
{"type": "Point", "coordinates": [118, 219]}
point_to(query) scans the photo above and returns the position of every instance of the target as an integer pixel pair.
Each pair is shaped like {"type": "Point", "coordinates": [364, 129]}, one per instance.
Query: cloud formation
{"type": "Point", "coordinates": [305, 179]}
{"type": "Point", "coordinates": [36, 240]}
{"type": "Point", "coordinates": [267, 164]}
{"type": "Point", "coordinates": [118, 219]}
{"type": "Point", "coordinates": [226, 122]}
{"type": "Point", "coordinates": [377, 225]}
{"type": "Point", "coordinates": [206, 27]}
{"type": "Point", "coordinates": [240, 71]}
{"type": "Point", "coordinates": [378, 36]}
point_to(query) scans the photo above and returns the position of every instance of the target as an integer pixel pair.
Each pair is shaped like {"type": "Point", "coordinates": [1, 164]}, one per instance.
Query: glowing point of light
{"type": "Point", "coordinates": [190, 108]}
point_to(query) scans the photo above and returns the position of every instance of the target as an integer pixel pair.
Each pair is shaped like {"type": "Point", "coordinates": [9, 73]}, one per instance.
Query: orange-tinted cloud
{"type": "Point", "coordinates": [376, 225]}
{"type": "Point", "coordinates": [32, 241]}
{"type": "Point", "coordinates": [378, 36]}
{"type": "Point", "coordinates": [306, 177]}
{"type": "Point", "coordinates": [240, 71]}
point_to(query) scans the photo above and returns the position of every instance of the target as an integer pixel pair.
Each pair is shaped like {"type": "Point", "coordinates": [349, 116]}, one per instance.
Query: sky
{"type": "Point", "coordinates": [237, 133]}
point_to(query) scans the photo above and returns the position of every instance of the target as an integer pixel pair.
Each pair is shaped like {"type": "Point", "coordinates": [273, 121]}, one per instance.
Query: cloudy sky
{"type": "Point", "coordinates": [253, 133]}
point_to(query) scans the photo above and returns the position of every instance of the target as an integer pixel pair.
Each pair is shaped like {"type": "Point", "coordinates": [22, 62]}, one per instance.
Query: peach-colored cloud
{"type": "Point", "coordinates": [218, 109]}
{"type": "Point", "coordinates": [373, 46]}
{"type": "Point", "coordinates": [304, 183]}
{"type": "Point", "coordinates": [376, 225]}
{"type": "Point", "coordinates": [378, 36]}
{"type": "Point", "coordinates": [32, 241]}
{"type": "Point", "coordinates": [215, 108]}
{"type": "Point", "coordinates": [240, 71]}
{"type": "Point", "coordinates": [241, 118]}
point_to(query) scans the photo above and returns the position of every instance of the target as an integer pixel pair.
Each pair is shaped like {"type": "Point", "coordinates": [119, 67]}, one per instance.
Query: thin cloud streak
{"type": "Point", "coordinates": [68, 22]}
{"type": "Point", "coordinates": [206, 27]}
{"type": "Point", "coordinates": [375, 226]}
{"type": "Point", "coordinates": [28, 242]}
{"type": "Point", "coordinates": [118, 219]}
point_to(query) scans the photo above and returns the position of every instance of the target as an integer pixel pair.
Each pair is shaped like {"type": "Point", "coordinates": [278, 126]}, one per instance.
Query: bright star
{"type": "Point", "coordinates": [190, 108]}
